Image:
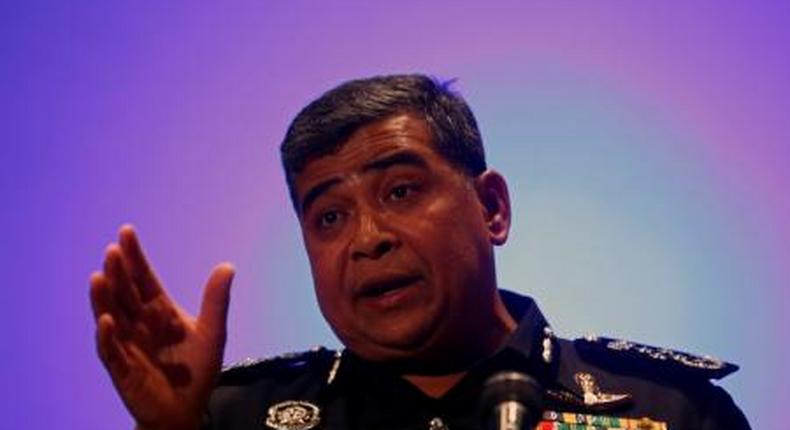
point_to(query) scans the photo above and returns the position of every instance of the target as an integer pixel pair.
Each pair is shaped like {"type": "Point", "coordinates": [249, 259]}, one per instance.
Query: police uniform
{"type": "Point", "coordinates": [589, 383]}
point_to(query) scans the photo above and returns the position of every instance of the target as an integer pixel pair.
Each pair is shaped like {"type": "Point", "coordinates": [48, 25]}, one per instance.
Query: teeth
{"type": "Point", "coordinates": [377, 291]}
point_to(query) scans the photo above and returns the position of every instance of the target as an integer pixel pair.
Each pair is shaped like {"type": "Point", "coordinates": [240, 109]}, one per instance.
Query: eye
{"type": "Point", "coordinates": [400, 192]}
{"type": "Point", "coordinates": [328, 219]}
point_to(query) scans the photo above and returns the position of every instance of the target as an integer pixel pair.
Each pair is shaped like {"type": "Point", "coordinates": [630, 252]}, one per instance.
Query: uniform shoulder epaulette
{"type": "Point", "coordinates": [250, 369]}
{"type": "Point", "coordinates": [638, 355]}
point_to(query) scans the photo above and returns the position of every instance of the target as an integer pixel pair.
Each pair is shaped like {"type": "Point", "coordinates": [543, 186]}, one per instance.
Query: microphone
{"type": "Point", "coordinates": [511, 401]}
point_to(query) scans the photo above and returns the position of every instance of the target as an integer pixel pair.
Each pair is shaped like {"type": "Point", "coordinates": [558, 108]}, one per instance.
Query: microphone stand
{"type": "Point", "coordinates": [511, 401]}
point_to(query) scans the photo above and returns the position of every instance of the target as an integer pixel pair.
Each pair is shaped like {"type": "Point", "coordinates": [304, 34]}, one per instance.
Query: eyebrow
{"type": "Point", "coordinates": [407, 158]}
{"type": "Point", "coordinates": [316, 191]}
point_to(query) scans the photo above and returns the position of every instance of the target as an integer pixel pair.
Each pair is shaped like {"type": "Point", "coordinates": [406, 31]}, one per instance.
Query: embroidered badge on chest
{"type": "Point", "coordinates": [293, 415]}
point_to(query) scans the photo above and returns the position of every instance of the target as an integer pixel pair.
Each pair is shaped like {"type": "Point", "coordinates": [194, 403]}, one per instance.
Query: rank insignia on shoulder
{"type": "Point", "coordinates": [293, 415]}
{"type": "Point", "coordinates": [705, 366]}
{"type": "Point", "coordinates": [252, 367]}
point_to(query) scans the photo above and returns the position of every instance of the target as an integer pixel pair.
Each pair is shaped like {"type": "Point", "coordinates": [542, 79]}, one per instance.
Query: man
{"type": "Point", "coordinates": [399, 215]}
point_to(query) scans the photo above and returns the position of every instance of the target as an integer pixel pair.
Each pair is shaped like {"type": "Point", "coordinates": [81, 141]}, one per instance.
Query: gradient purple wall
{"type": "Point", "coordinates": [647, 147]}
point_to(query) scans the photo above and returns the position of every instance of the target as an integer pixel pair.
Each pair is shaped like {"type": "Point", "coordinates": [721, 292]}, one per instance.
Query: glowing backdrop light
{"type": "Point", "coordinates": [646, 145]}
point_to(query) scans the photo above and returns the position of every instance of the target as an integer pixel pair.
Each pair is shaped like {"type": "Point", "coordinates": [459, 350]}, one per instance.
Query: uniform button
{"type": "Point", "coordinates": [437, 424]}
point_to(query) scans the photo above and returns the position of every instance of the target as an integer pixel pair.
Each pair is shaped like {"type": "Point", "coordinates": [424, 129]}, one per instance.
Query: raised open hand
{"type": "Point", "coordinates": [163, 362]}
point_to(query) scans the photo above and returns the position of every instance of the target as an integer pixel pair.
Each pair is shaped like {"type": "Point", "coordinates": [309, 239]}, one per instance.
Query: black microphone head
{"type": "Point", "coordinates": [511, 386]}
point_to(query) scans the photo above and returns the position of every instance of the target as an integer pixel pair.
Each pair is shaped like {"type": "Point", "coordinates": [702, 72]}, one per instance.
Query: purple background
{"type": "Point", "coordinates": [646, 144]}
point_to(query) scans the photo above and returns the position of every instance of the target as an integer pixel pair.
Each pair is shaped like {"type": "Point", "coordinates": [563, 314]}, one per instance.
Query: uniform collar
{"type": "Point", "coordinates": [532, 328]}
{"type": "Point", "coordinates": [531, 347]}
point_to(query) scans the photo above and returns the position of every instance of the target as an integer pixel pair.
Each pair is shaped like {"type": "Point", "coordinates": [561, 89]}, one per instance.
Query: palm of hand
{"type": "Point", "coordinates": [162, 361]}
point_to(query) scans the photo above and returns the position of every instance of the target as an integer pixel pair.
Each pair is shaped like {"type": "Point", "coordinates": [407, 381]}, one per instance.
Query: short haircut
{"type": "Point", "coordinates": [324, 125]}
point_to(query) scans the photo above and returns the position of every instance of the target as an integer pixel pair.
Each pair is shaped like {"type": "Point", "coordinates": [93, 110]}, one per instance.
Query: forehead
{"type": "Point", "coordinates": [389, 135]}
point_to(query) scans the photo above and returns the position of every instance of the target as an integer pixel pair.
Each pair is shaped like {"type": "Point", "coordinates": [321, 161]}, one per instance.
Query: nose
{"type": "Point", "coordinates": [373, 239]}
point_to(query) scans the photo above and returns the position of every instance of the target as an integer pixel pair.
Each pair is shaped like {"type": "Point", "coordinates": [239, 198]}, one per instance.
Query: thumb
{"type": "Point", "coordinates": [216, 297]}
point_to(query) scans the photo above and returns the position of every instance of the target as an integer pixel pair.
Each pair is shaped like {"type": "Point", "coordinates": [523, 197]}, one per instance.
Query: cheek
{"type": "Point", "coordinates": [453, 234]}
{"type": "Point", "coordinates": [327, 268]}
{"type": "Point", "coordinates": [327, 291]}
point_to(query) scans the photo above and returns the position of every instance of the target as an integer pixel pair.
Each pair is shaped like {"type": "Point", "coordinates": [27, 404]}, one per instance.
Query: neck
{"type": "Point", "coordinates": [437, 385]}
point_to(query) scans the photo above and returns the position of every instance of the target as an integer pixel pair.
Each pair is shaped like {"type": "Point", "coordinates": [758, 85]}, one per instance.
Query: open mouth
{"type": "Point", "coordinates": [386, 286]}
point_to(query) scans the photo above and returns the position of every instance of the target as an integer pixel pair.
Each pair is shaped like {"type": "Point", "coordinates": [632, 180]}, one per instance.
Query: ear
{"type": "Point", "coordinates": [492, 191]}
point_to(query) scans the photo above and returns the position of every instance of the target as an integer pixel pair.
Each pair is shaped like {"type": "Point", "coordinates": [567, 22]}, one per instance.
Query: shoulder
{"type": "Point", "coordinates": [246, 390]}
{"type": "Point", "coordinates": [283, 366]}
{"type": "Point", "coordinates": [607, 375]}
{"type": "Point", "coordinates": [627, 355]}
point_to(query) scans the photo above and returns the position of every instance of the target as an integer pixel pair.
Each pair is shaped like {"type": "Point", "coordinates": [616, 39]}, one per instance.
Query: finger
{"type": "Point", "coordinates": [120, 283]}
{"type": "Point", "coordinates": [139, 269]}
{"type": "Point", "coordinates": [101, 296]}
{"type": "Point", "coordinates": [216, 297]}
{"type": "Point", "coordinates": [110, 349]}
{"type": "Point", "coordinates": [103, 301]}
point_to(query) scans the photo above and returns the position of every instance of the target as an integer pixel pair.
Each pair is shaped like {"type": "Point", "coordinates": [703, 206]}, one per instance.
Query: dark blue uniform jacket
{"type": "Point", "coordinates": [589, 383]}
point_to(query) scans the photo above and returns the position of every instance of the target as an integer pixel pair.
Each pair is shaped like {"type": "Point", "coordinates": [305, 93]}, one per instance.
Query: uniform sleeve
{"type": "Point", "coordinates": [722, 413]}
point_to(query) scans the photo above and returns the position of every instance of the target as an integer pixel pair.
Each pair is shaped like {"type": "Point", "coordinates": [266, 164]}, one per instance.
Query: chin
{"type": "Point", "coordinates": [410, 341]}
{"type": "Point", "coordinates": [393, 345]}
